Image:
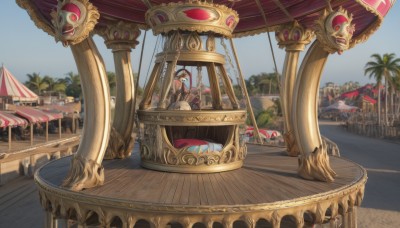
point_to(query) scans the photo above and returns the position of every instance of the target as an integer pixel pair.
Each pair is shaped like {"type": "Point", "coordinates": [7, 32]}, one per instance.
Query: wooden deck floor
{"type": "Point", "coordinates": [268, 176]}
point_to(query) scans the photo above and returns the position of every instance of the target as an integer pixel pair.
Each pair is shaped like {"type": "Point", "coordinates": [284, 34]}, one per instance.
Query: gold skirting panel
{"type": "Point", "coordinates": [193, 169]}
{"type": "Point", "coordinates": [195, 57]}
{"type": "Point", "coordinates": [266, 189]}
{"type": "Point", "coordinates": [192, 117]}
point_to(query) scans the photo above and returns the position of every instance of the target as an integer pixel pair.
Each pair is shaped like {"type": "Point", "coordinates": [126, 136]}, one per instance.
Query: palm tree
{"type": "Point", "coordinates": [396, 88]}
{"type": "Point", "coordinates": [36, 83]}
{"type": "Point", "coordinates": [56, 85]}
{"type": "Point", "coordinates": [73, 82]}
{"type": "Point", "coordinates": [383, 67]}
{"type": "Point", "coordinates": [112, 82]}
{"type": "Point", "coordinates": [261, 82]}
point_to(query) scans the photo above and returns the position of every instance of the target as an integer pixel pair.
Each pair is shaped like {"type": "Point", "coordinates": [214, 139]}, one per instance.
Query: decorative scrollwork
{"type": "Point", "coordinates": [167, 155]}
{"type": "Point", "coordinates": [210, 43]}
{"type": "Point", "coordinates": [193, 42]}
{"type": "Point", "coordinates": [205, 117]}
{"type": "Point", "coordinates": [194, 16]}
{"type": "Point", "coordinates": [293, 36]}
{"type": "Point", "coordinates": [120, 34]}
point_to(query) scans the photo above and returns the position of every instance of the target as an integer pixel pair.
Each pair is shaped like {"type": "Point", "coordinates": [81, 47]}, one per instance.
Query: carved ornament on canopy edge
{"type": "Point", "coordinates": [335, 30]}
{"type": "Point", "coordinates": [293, 36]}
{"type": "Point", "coordinates": [194, 16]}
{"type": "Point", "coordinates": [120, 34]}
{"type": "Point", "coordinates": [74, 20]}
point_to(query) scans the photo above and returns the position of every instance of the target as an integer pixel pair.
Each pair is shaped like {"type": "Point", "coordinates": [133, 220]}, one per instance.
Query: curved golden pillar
{"type": "Point", "coordinates": [313, 159]}
{"type": "Point", "coordinates": [293, 37]}
{"type": "Point", "coordinates": [121, 38]}
{"type": "Point", "coordinates": [86, 169]}
{"type": "Point", "coordinates": [288, 82]}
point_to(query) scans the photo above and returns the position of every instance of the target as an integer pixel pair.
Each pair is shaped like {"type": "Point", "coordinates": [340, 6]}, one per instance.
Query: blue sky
{"type": "Point", "coordinates": [25, 49]}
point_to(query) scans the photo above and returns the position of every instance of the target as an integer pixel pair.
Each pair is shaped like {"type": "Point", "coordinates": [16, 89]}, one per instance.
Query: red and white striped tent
{"type": "Point", "coordinates": [8, 119]}
{"type": "Point", "coordinates": [11, 88]}
{"type": "Point", "coordinates": [264, 133]}
{"type": "Point", "coordinates": [37, 116]}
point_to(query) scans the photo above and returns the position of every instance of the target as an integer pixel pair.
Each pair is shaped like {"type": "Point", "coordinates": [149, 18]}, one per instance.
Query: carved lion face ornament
{"type": "Point", "coordinates": [69, 19]}
{"type": "Point", "coordinates": [339, 30]}
{"type": "Point", "coordinates": [334, 30]}
{"type": "Point", "coordinates": [74, 20]}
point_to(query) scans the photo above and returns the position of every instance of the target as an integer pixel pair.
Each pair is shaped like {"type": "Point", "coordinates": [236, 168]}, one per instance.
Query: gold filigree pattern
{"type": "Point", "coordinates": [167, 155]}
{"type": "Point", "coordinates": [120, 34]}
{"type": "Point", "coordinates": [193, 16]}
{"type": "Point", "coordinates": [210, 43]}
{"type": "Point", "coordinates": [293, 36]}
{"type": "Point", "coordinates": [193, 42]}
{"type": "Point", "coordinates": [35, 16]}
{"type": "Point", "coordinates": [202, 118]}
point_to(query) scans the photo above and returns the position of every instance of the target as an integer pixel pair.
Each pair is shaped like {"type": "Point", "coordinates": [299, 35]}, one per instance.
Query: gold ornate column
{"type": "Point", "coordinates": [293, 37]}
{"type": "Point", "coordinates": [73, 21]}
{"type": "Point", "coordinates": [334, 32]}
{"type": "Point", "coordinates": [86, 170]}
{"type": "Point", "coordinates": [121, 38]}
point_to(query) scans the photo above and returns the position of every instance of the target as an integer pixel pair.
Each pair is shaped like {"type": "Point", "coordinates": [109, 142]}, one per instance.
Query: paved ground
{"type": "Point", "coordinates": [19, 200]}
{"type": "Point", "coordinates": [381, 159]}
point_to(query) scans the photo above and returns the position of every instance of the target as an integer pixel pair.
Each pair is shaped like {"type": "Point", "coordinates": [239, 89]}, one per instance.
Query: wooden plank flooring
{"type": "Point", "coordinates": [267, 176]}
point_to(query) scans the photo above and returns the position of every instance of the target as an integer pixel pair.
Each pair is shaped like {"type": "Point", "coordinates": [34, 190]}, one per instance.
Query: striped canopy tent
{"type": "Point", "coordinates": [66, 108]}
{"type": "Point", "coordinates": [70, 110]}
{"type": "Point", "coordinates": [369, 99]}
{"type": "Point", "coordinates": [9, 120]}
{"type": "Point", "coordinates": [13, 90]}
{"type": "Point", "coordinates": [34, 115]}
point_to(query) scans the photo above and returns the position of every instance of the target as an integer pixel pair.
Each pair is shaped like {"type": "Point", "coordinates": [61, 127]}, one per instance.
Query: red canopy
{"type": "Point", "coordinates": [11, 87]}
{"type": "Point", "coordinates": [369, 99]}
{"type": "Point", "coordinates": [35, 115]}
{"type": "Point", "coordinates": [67, 108]}
{"type": "Point", "coordinates": [350, 94]}
{"type": "Point", "coordinates": [8, 119]}
{"type": "Point", "coordinates": [367, 14]}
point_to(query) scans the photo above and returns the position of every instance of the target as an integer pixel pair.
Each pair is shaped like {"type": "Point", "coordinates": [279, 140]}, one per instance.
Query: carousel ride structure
{"type": "Point", "coordinates": [193, 168]}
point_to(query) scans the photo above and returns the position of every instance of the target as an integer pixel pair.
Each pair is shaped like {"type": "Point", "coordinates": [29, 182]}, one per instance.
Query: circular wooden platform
{"type": "Point", "coordinates": [266, 189]}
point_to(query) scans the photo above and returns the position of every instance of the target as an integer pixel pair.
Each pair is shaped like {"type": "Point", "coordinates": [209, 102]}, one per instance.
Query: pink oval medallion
{"type": "Point", "coordinates": [197, 14]}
